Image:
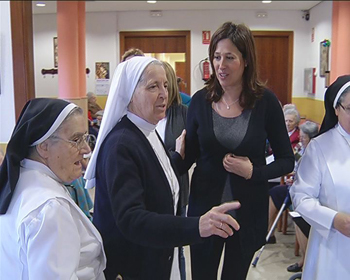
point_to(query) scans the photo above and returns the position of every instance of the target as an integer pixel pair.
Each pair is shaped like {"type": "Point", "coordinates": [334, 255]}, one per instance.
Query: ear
{"type": "Point", "coordinates": [43, 149]}
{"type": "Point", "coordinates": [337, 111]}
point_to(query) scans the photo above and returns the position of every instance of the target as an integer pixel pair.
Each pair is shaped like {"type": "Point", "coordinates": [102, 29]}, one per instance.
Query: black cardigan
{"type": "Point", "coordinates": [209, 177]}
{"type": "Point", "coordinates": [134, 209]}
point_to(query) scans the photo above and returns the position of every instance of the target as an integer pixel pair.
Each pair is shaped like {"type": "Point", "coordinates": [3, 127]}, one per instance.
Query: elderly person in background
{"type": "Point", "coordinates": [308, 130]}
{"type": "Point", "coordinates": [321, 191]}
{"type": "Point", "coordinates": [292, 118]}
{"type": "Point", "coordinates": [137, 190]}
{"type": "Point", "coordinates": [93, 107]}
{"type": "Point", "coordinates": [44, 234]}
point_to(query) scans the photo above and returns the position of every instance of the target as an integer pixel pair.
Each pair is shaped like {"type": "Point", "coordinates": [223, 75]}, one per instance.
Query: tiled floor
{"type": "Point", "coordinates": [273, 262]}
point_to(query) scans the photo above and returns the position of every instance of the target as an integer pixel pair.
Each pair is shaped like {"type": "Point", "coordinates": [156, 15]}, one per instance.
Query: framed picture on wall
{"type": "Point", "coordinates": [324, 59]}
{"type": "Point", "coordinates": [55, 52]}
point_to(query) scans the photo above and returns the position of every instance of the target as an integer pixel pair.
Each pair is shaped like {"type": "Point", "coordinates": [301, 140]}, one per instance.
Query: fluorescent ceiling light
{"type": "Point", "coordinates": [266, 2]}
{"type": "Point", "coordinates": [151, 2]}
{"type": "Point", "coordinates": [40, 4]}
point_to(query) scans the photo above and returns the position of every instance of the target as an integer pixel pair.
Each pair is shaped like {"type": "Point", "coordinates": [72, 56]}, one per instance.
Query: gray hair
{"type": "Point", "coordinates": [294, 112]}
{"type": "Point", "coordinates": [289, 106]}
{"type": "Point", "coordinates": [90, 94]}
{"type": "Point", "coordinates": [309, 128]}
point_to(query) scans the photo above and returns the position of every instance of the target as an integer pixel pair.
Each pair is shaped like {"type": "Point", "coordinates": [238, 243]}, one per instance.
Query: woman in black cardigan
{"type": "Point", "coordinates": [228, 123]}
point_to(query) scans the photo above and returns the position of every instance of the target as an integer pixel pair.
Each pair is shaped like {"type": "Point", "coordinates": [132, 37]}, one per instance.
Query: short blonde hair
{"type": "Point", "coordinates": [132, 52]}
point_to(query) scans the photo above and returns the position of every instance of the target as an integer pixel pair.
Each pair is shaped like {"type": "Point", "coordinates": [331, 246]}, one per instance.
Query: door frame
{"type": "Point", "coordinates": [140, 34]}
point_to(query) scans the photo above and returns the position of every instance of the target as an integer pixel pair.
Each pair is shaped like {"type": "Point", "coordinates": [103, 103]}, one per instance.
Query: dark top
{"type": "Point", "coordinates": [207, 184]}
{"type": "Point", "coordinates": [230, 138]}
{"type": "Point", "coordinates": [176, 122]}
{"type": "Point", "coordinates": [134, 209]}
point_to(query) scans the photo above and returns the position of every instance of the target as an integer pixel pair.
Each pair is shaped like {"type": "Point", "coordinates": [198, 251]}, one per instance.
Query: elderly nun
{"type": "Point", "coordinates": [137, 190]}
{"type": "Point", "coordinates": [321, 190]}
{"type": "Point", "coordinates": [43, 233]}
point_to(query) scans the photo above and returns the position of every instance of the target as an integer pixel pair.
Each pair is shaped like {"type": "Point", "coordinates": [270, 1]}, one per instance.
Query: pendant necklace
{"type": "Point", "coordinates": [228, 106]}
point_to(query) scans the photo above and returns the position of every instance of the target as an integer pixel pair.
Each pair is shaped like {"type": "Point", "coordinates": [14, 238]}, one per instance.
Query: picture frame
{"type": "Point", "coordinates": [324, 59]}
{"type": "Point", "coordinates": [55, 52]}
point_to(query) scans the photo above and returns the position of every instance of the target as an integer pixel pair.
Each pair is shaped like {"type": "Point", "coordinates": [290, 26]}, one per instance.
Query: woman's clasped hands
{"type": "Point", "coordinates": [241, 166]}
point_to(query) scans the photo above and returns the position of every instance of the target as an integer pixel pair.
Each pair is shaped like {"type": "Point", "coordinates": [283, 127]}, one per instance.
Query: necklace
{"type": "Point", "coordinates": [228, 106]}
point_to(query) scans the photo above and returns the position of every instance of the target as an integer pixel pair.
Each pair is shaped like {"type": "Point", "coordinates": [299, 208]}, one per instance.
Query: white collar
{"type": "Point", "coordinates": [291, 132]}
{"type": "Point", "coordinates": [35, 165]}
{"type": "Point", "coordinates": [143, 125]}
{"type": "Point", "coordinates": [342, 131]}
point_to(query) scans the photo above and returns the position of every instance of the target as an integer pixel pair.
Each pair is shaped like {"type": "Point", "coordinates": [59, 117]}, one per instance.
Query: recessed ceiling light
{"type": "Point", "coordinates": [151, 2]}
{"type": "Point", "coordinates": [40, 4]}
{"type": "Point", "coordinates": [266, 2]}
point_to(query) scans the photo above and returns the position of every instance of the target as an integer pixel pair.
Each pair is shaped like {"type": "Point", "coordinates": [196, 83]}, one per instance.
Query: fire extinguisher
{"type": "Point", "coordinates": [206, 70]}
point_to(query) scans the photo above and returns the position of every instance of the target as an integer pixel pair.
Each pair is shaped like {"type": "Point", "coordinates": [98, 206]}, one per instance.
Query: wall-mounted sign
{"type": "Point", "coordinates": [206, 37]}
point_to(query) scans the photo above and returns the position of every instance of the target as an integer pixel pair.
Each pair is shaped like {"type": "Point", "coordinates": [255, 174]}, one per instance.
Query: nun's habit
{"type": "Point", "coordinates": [43, 233]}
{"type": "Point", "coordinates": [322, 189]}
{"type": "Point", "coordinates": [136, 189]}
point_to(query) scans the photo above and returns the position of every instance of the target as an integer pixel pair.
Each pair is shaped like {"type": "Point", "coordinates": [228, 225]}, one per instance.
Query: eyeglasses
{"type": "Point", "coordinates": [78, 143]}
{"type": "Point", "coordinates": [346, 109]}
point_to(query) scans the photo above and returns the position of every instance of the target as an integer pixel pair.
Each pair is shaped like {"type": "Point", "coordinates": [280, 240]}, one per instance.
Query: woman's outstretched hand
{"type": "Point", "coordinates": [216, 222]}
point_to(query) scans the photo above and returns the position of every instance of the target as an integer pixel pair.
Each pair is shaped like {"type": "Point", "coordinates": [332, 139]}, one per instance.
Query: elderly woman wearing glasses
{"type": "Point", "coordinates": [137, 190]}
{"type": "Point", "coordinates": [321, 190]}
{"type": "Point", "coordinates": [43, 233]}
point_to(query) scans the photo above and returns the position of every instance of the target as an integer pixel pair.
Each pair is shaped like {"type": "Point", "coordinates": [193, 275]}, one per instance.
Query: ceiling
{"type": "Point", "coordinates": [109, 6]}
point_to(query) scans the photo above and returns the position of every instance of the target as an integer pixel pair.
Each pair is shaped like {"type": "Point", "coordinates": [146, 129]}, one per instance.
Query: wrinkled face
{"type": "Point", "coordinates": [291, 122]}
{"type": "Point", "coordinates": [228, 64]}
{"type": "Point", "coordinates": [93, 99]}
{"type": "Point", "coordinates": [344, 113]}
{"type": "Point", "coordinates": [304, 139]}
{"type": "Point", "coordinates": [151, 96]}
{"type": "Point", "coordinates": [64, 158]}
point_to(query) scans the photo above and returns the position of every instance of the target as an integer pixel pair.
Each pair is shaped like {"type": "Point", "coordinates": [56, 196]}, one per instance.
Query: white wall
{"type": "Point", "coordinates": [102, 34]}
{"type": "Point", "coordinates": [321, 20]}
{"type": "Point", "coordinates": [7, 105]}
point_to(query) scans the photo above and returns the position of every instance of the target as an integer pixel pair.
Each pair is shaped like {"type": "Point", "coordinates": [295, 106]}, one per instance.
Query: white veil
{"type": "Point", "coordinates": [125, 79]}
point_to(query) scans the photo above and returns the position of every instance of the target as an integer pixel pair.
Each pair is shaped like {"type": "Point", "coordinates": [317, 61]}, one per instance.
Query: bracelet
{"type": "Point", "coordinates": [250, 174]}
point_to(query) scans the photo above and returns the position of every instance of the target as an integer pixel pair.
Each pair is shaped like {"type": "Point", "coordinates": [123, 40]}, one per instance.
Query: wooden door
{"type": "Point", "coordinates": [275, 61]}
{"type": "Point", "coordinates": [180, 71]}
{"type": "Point", "coordinates": [160, 42]}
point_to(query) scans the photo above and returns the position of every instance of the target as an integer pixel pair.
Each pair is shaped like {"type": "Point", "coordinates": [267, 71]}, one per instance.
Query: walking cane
{"type": "Point", "coordinates": [286, 200]}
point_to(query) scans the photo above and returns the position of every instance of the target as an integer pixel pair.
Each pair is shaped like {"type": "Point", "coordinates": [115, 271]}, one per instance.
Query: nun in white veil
{"type": "Point", "coordinates": [137, 190]}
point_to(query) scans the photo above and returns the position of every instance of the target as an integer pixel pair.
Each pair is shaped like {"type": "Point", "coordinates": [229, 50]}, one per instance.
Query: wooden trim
{"type": "Point", "coordinates": [290, 36]}
{"type": "Point", "coordinates": [187, 34]}
{"type": "Point", "coordinates": [22, 51]}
